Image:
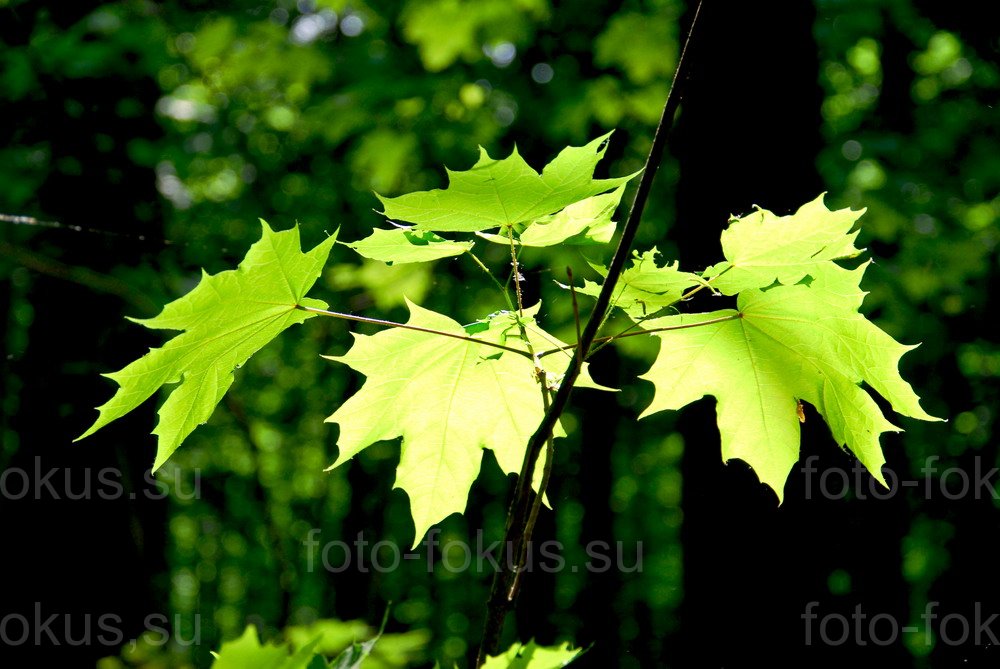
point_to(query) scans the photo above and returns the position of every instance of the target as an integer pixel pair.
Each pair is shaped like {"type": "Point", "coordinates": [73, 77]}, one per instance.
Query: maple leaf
{"type": "Point", "coordinates": [448, 399]}
{"type": "Point", "coordinates": [505, 193]}
{"type": "Point", "coordinates": [405, 245]}
{"type": "Point", "coordinates": [224, 320]}
{"type": "Point", "coordinates": [761, 248]}
{"type": "Point", "coordinates": [248, 651]}
{"type": "Point", "coordinates": [645, 287]}
{"type": "Point", "coordinates": [585, 222]}
{"type": "Point", "coordinates": [781, 345]}
{"type": "Point", "coordinates": [533, 656]}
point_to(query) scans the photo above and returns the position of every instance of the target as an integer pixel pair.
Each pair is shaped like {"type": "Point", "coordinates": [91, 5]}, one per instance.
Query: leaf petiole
{"type": "Point", "coordinates": [622, 335]}
{"type": "Point", "coordinates": [625, 333]}
{"type": "Point", "coordinates": [496, 282]}
{"type": "Point", "coordinates": [415, 328]}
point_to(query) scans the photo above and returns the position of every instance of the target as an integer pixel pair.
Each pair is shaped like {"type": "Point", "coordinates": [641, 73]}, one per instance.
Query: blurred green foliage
{"type": "Point", "coordinates": [932, 190]}
{"type": "Point", "coordinates": [297, 111]}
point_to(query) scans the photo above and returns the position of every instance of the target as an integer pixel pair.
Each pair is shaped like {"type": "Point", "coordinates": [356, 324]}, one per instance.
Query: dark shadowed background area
{"type": "Point", "coordinates": [146, 139]}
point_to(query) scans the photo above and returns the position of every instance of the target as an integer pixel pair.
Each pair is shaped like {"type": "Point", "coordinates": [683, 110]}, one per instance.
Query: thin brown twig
{"type": "Point", "coordinates": [576, 310]}
{"type": "Point", "coordinates": [666, 328]}
{"type": "Point", "coordinates": [516, 272]}
{"type": "Point", "coordinates": [706, 283]}
{"type": "Point", "coordinates": [415, 328]}
{"type": "Point", "coordinates": [82, 275]}
{"type": "Point", "coordinates": [536, 505]}
{"type": "Point", "coordinates": [500, 603]}
{"type": "Point", "coordinates": [496, 282]}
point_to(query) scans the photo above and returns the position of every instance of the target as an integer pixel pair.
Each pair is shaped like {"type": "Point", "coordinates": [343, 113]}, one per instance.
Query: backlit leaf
{"type": "Point", "coordinates": [448, 399]}
{"type": "Point", "coordinates": [788, 343]}
{"type": "Point", "coordinates": [533, 656]}
{"type": "Point", "coordinates": [224, 320]}
{"type": "Point", "coordinates": [645, 288]}
{"type": "Point", "coordinates": [505, 193]}
{"type": "Point", "coordinates": [761, 248]}
{"type": "Point", "coordinates": [399, 245]}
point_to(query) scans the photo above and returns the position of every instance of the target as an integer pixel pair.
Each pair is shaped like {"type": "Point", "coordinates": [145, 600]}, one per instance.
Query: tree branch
{"type": "Point", "coordinates": [501, 599]}
{"type": "Point", "coordinates": [84, 276]}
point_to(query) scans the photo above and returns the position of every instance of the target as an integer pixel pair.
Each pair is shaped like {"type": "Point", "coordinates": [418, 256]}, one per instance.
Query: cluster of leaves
{"type": "Point", "coordinates": [311, 652]}
{"type": "Point", "coordinates": [795, 335]}
{"type": "Point", "coordinates": [235, 112]}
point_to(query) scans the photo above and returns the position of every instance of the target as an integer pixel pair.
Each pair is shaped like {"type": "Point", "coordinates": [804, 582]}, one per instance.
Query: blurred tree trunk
{"type": "Point", "coordinates": [749, 134]}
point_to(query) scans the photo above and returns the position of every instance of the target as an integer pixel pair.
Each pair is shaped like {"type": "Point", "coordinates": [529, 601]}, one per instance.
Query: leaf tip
{"type": "Point", "coordinates": [777, 488]}
{"type": "Point", "coordinates": [602, 142]}
{"type": "Point", "coordinates": [89, 431]}
{"type": "Point", "coordinates": [879, 476]}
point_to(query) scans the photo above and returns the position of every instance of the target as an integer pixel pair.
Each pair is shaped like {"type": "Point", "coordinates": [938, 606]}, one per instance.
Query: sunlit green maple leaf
{"type": "Point", "coordinates": [505, 193]}
{"type": "Point", "coordinates": [448, 399]}
{"type": "Point", "coordinates": [247, 651]}
{"type": "Point", "coordinates": [645, 287]}
{"type": "Point", "coordinates": [787, 343]}
{"type": "Point", "coordinates": [533, 656]}
{"type": "Point", "coordinates": [224, 320]}
{"type": "Point", "coordinates": [404, 245]}
{"type": "Point", "coordinates": [761, 248]}
{"type": "Point", "coordinates": [332, 636]}
{"type": "Point", "coordinates": [353, 644]}
{"type": "Point", "coordinates": [588, 221]}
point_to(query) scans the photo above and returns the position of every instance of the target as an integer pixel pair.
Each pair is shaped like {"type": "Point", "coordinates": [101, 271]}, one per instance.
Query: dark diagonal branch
{"type": "Point", "coordinates": [502, 595]}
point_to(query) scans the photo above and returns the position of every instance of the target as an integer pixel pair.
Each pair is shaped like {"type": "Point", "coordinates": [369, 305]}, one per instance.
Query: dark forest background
{"type": "Point", "coordinates": [148, 138]}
